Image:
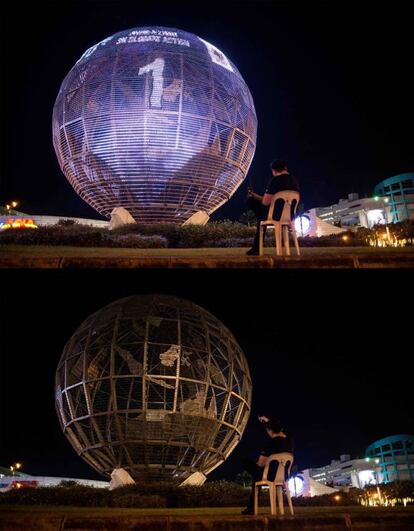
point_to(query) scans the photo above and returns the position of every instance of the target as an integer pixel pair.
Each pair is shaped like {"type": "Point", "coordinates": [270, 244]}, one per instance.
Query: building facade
{"type": "Point", "coordinates": [357, 212]}
{"type": "Point", "coordinates": [400, 192]}
{"type": "Point", "coordinates": [18, 481]}
{"type": "Point", "coordinates": [45, 221]}
{"type": "Point", "coordinates": [395, 456]}
{"type": "Point", "coordinates": [386, 460]}
{"type": "Point", "coordinates": [346, 472]}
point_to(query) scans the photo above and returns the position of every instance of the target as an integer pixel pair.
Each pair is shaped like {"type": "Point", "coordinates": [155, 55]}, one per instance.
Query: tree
{"type": "Point", "coordinates": [244, 478]}
{"type": "Point", "coordinates": [248, 218]}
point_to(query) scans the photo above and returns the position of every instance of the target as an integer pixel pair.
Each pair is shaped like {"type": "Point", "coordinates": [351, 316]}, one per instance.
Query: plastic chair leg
{"type": "Point", "coordinates": [261, 240]}
{"type": "Point", "coordinates": [256, 500]}
{"type": "Point", "coordinates": [278, 239]}
{"type": "Point", "coordinates": [280, 500]}
{"type": "Point", "coordinates": [286, 239]}
{"type": "Point", "coordinates": [289, 500]}
{"type": "Point", "coordinates": [295, 239]}
{"type": "Point", "coordinates": [272, 496]}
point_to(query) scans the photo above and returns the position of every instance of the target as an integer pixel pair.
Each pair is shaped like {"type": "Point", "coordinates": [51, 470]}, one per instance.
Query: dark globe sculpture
{"type": "Point", "coordinates": [155, 120]}
{"type": "Point", "coordinates": [155, 385]}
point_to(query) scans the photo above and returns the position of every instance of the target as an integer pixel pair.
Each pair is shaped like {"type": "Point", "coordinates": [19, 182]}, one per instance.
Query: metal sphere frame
{"type": "Point", "coordinates": [155, 120]}
{"type": "Point", "coordinates": [155, 385]}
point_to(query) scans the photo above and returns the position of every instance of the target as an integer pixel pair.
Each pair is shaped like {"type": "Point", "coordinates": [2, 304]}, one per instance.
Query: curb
{"type": "Point", "coordinates": [392, 521]}
{"type": "Point", "coordinates": [363, 261]}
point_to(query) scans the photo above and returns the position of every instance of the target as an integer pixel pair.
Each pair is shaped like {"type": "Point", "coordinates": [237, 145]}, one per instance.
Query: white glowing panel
{"type": "Point", "coordinates": [302, 225]}
{"type": "Point", "coordinates": [296, 485]}
{"type": "Point", "coordinates": [375, 217]}
{"type": "Point", "coordinates": [366, 477]}
{"type": "Point", "coordinates": [217, 56]}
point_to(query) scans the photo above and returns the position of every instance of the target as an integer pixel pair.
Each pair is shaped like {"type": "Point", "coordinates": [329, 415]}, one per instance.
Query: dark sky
{"type": "Point", "coordinates": [330, 81]}
{"type": "Point", "coordinates": [328, 350]}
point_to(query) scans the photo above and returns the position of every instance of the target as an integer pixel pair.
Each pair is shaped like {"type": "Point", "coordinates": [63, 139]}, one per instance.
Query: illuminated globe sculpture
{"type": "Point", "coordinates": [155, 120]}
{"type": "Point", "coordinates": [155, 385]}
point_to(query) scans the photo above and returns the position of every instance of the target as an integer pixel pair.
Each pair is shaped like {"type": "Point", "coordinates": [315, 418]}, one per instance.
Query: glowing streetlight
{"type": "Point", "coordinates": [11, 205]}
{"type": "Point", "coordinates": [15, 467]}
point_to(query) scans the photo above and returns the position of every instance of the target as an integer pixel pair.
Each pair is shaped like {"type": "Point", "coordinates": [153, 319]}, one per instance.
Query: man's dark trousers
{"type": "Point", "coordinates": [260, 211]}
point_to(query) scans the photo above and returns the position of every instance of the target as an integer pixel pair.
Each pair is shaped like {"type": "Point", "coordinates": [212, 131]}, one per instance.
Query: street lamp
{"type": "Point", "coordinates": [15, 467]}
{"type": "Point", "coordinates": [376, 478]}
{"type": "Point", "coordinates": [13, 204]}
{"type": "Point", "coordinates": [377, 482]}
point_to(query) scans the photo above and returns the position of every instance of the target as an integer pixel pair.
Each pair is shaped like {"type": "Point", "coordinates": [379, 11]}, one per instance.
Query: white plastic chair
{"type": "Point", "coordinates": [286, 221]}
{"type": "Point", "coordinates": [276, 486]}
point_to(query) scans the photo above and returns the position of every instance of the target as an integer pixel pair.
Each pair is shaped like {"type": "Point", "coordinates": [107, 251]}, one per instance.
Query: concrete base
{"type": "Point", "coordinates": [199, 218]}
{"type": "Point", "coordinates": [120, 478]}
{"type": "Point", "coordinates": [196, 479]}
{"type": "Point", "coordinates": [60, 520]}
{"type": "Point", "coordinates": [331, 261]}
{"type": "Point", "coordinates": [120, 217]}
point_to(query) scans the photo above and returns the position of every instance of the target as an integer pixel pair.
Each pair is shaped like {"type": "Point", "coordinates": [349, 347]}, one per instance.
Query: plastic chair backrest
{"type": "Point", "coordinates": [288, 196]}
{"type": "Point", "coordinates": [282, 459]}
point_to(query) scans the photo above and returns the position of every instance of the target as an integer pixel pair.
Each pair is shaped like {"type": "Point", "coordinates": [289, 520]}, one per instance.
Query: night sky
{"type": "Point", "coordinates": [330, 81]}
{"type": "Point", "coordinates": [328, 352]}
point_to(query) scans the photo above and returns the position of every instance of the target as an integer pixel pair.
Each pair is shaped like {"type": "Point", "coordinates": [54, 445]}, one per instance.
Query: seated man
{"type": "Point", "coordinates": [280, 441]}
{"type": "Point", "coordinates": [282, 180]}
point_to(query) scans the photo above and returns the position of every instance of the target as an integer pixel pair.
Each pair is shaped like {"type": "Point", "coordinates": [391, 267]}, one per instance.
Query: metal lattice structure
{"type": "Point", "coordinates": [155, 120]}
{"type": "Point", "coordinates": [153, 384]}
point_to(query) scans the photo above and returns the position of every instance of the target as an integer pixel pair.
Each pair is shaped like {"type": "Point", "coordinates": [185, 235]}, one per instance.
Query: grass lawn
{"type": "Point", "coordinates": [102, 252]}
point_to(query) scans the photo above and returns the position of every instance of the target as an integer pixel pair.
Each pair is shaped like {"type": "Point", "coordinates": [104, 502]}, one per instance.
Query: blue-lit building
{"type": "Point", "coordinates": [400, 192]}
{"type": "Point", "coordinates": [386, 460]}
{"type": "Point", "coordinates": [394, 457]}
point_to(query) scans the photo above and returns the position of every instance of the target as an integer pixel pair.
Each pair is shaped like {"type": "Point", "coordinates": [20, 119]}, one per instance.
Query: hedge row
{"type": "Point", "coordinates": [214, 494]}
{"type": "Point", "coordinates": [157, 495]}
{"type": "Point", "coordinates": [169, 494]}
{"type": "Point", "coordinates": [80, 236]}
{"type": "Point", "coordinates": [217, 234]}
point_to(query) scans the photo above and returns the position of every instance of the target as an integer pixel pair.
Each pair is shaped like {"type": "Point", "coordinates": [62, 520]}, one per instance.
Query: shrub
{"type": "Point", "coordinates": [230, 242]}
{"type": "Point", "coordinates": [167, 491]}
{"type": "Point", "coordinates": [76, 496]}
{"type": "Point", "coordinates": [326, 500]}
{"type": "Point", "coordinates": [214, 234]}
{"type": "Point", "coordinates": [169, 232]}
{"type": "Point", "coordinates": [66, 222]}
{"type": "Point", "coordinates": [138, 241]}
{"type": "Point", "coordinates": [76, 235]}
{"type": "Point", "coordinates": [334, 240]}
{"type": "Point", "coordinates": [68, 483]}
{"type": "Point", "coordinates": [214, 494]}
{"type": "Point", "coordinates": [163, 494]}
{"type": "Point", "coordinates": [138, 501]}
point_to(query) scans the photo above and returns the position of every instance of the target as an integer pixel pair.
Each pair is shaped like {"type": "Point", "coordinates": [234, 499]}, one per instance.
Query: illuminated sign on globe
{"type": "Point", "coordinates": [155, 120]}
